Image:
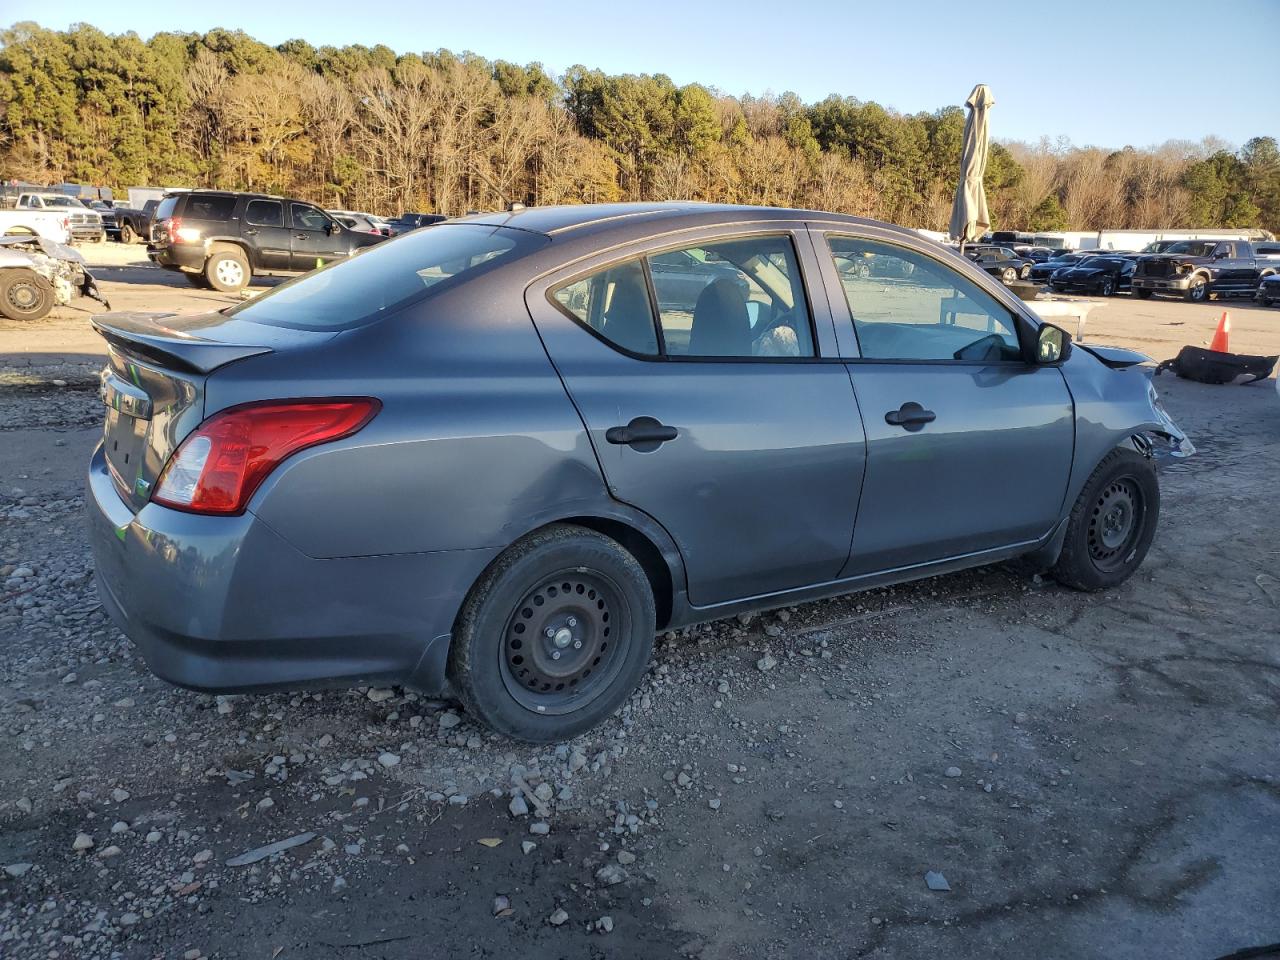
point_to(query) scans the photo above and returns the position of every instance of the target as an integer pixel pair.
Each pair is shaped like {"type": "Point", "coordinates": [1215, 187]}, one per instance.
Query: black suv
{"type": "Point", "coordinates": [222, 240]}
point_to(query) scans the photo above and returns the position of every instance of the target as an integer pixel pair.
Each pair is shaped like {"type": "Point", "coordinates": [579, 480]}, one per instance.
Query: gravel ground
{"type": "Point", "coordinates": [1090, 776]}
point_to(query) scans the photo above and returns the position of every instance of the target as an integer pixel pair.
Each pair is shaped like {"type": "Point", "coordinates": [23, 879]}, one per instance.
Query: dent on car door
{"type": "Point", "coordinates": [716, 414]}
{"type": "Point", "coordinates": [969, 445]}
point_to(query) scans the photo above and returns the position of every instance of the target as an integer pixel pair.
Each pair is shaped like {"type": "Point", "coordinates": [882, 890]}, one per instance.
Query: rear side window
{"type": "Point", "coordinates": [209, 207]}
{"type": "Point", "coordinates": [614, 304]}
{"type": "Point", "coordinates": [386, 277]}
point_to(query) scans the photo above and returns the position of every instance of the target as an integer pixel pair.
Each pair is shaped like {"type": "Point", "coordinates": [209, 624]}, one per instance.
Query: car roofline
{"type": "Point", "coordinates": [593, 219]}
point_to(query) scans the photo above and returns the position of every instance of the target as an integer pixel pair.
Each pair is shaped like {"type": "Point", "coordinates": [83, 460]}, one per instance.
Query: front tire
{"type": "Point", "coordinates": [1107, 287]}
{"type": "Point", "coordinates": [1008, 275]}
{"type": "Point", "coordinates": [1142, 293]}
{"type": "Point", "coordinates": [1112, 524]}
{"type": "Point", "coordinates": [1198, 292]}
{"type": "Point", "coordinates": [25, 295]}
{"type": "Point", "coordinates": [554, 636]}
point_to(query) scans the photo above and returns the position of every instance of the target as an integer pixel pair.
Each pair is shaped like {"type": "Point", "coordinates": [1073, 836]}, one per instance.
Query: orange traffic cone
{"type": "Point", "coordinates": [1219, 342]}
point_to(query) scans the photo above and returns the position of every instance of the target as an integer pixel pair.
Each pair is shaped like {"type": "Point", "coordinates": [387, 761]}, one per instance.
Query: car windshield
{"type": "Point", "coordinates": [1193, 248]}
{"type": "Point", "coordinates": [62, 202]}
{"type": "Point", "coordinates": [385, 278]}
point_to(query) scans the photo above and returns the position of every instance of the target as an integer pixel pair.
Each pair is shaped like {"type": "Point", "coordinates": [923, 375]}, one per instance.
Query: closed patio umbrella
{"type": "Point", "coordinates": [969, 217]}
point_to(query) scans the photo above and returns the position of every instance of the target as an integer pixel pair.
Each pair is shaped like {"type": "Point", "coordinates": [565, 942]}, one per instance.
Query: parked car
{"type": "Point", "coordinates": [1039, 254]}
{"type": "Point", "coordinates": [1269, 290]}
{"type": "Point", "coordinates": [109, 224]}
{"type": "Point", "coordinates": [482, 461]}
{"type": "Point", "coordinates": [37, 274]}
{"type": "Point", "coordinates": [53, 225]}
{"type": "Point", "coordinates": [1198, 270]}
{"type": "Point", "coordinates": [1000, 262]}
{"type": "Point", "coordinates": [222, 240]}
{"type": "Point", "coordinates": [379, 224]}
{"type": "Point", "coordinates": [412, 221]}
{"type": "Point", "coordinates": [135, 224]}
{"type": "Point", "coordinates": [1044, 270]}
{"type": "Point", "coordinates": [1104, 275]}
{"type": "Point", "coordinates": [85, 223]}
{"type": "Point", "coordinates": [357, 222]}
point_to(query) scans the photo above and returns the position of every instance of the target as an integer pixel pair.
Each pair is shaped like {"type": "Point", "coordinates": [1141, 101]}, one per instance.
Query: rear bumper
{"type": "Point", "coordinates": [224, 604]}
{"type": "Point", "coordinates": [1179, 284]}
{"type": "Point", "coordinates": [178, 256]}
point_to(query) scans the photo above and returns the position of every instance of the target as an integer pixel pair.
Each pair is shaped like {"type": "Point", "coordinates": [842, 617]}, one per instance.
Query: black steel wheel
{"type": "Point", "coordinates": [1112, 523]}
{"type": "Point", "coordinates": [554, 635]}
{"type": "Point", "coordinates": [559, 651]}
{"type": "Point", "coordinates": [24, 295]}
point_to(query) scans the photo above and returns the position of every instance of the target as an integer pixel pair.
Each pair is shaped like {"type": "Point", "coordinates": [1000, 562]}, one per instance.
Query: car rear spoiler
{"type": "Point", "coordinates": [161, 337]}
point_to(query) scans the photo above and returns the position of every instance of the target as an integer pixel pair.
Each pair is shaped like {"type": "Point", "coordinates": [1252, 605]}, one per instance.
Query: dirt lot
{"type": "Point", "coordinates": [1095, 776]}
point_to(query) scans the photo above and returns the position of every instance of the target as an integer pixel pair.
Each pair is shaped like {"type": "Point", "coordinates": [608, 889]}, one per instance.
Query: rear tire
{"type": "Point", "coordinates": [126, 233]}
{"type": "Point", "coordinates": [25, 295]}
{"type": "Point", "coordinates": [227, 271]}
{"type": "Point", "coordinates": [1008, 275]}
{"type": "Point", "coordinates": [1112, 524]}
{"type": "Point", "coordinates": [554, 636]}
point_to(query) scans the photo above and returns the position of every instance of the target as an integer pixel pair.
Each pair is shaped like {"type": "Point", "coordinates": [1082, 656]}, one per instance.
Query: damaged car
{"type": "Point", "coordinates": [489, 460]}
{"type": "Point", "coordinates": [37, 274]}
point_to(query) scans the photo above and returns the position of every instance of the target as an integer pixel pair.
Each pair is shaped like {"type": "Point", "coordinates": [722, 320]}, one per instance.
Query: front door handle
{"type": "Point", "coordinates": [642, 434]}
{"type": "Point", "coordinates": [250, 233]}
{"type": "Point", "coordinates": [910, 416]}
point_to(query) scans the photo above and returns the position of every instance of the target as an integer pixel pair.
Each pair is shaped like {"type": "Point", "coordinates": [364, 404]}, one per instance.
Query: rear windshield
{"type": "Point", "coordinates": [386, 277]}
{"type": "Point", "coordinates": [165, 210]}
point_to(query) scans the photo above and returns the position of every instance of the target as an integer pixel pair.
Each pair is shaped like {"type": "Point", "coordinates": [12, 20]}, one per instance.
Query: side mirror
{"type": "Point", "coordinates": [1053, 344]}
{"type": "Point", "coordinates": [332, 228]}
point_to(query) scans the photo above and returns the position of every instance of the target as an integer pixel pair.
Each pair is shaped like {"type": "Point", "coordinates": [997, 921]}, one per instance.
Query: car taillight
{"type": "Point", "coordinates": [219, 466]}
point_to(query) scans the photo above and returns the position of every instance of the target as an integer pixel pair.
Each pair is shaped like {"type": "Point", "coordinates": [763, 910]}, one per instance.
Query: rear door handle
{"type": "Point", "coordinates": [910, 416]}
{"type": "Point", "coordinates": [642, 434]}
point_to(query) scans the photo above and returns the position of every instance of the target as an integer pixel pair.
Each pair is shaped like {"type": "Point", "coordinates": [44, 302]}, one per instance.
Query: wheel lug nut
{"type": "Point", "coordinates": [572, 621]}
{"type": "Point", "coordinates": [555, 654]}
{"type": "Point", "coordinates": [577, 644]}
{"type": "Point", "coordinates": [551, 632]}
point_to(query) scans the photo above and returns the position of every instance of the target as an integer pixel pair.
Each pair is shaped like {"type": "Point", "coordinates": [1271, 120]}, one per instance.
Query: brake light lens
{"type": "Point", "coordinates": [219, 466]}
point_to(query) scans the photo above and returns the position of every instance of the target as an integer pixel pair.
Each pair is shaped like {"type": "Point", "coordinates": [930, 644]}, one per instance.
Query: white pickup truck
{"type": "Point", "coordinates": [53, 225]}
{"type": "Point", "coordinates": [85, 223]}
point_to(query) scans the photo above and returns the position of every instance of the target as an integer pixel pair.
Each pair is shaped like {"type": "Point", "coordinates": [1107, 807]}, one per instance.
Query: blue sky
{"type": "Point", "coordinates": [1103, 73]}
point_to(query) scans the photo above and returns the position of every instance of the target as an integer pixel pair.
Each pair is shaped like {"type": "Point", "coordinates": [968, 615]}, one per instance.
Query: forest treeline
{"type": "Point", "coordinates": [366, 128]}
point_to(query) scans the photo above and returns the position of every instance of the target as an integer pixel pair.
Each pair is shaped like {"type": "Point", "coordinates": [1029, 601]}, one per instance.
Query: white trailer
{"type": "Point", "coordinates": [1137, 239]}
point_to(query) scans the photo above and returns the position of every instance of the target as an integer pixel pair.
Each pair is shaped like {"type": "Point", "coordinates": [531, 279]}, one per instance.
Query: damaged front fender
{"type": "Point", "coordinates": [62, 267]}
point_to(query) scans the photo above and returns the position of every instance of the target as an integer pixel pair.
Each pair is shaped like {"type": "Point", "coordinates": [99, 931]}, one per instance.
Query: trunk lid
{"type": "Point", "coordinates": [154, 384]}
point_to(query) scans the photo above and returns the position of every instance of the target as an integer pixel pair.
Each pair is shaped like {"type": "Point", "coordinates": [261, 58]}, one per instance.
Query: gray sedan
{"type": "Point", "coordinates": [490, 459]}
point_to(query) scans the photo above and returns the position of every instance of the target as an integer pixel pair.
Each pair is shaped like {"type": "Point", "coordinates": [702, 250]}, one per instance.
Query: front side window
{"type": "Point", "coordinates": [308, 218]}
{"type": "Point", "coordinates": [908, 306]}
{"type": "Point", "coordinates": [265, 213]}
